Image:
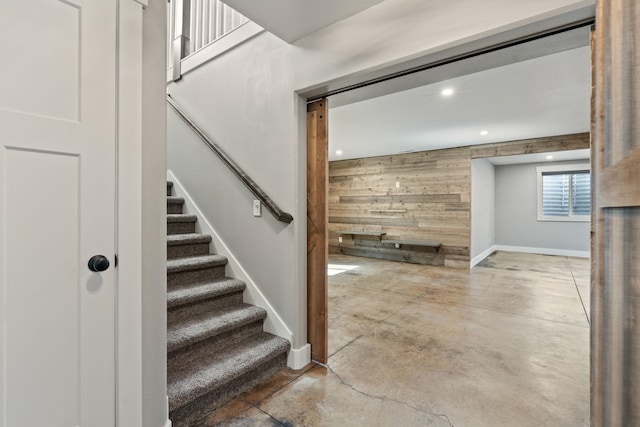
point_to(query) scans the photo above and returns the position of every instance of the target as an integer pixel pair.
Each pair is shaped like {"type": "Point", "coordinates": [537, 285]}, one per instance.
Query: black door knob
{"type": "Point", "coordinates": [98, 263]}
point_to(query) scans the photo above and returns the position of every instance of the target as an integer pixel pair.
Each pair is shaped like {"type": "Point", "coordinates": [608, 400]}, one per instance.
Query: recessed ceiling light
{"type": "Point", "coordinates": [339, 152]}
{"type": "Point", "coordinates": [447, 91]}
{"type": "Point", "coordinates": [484, 132]}
{"type": "Point", "coordinates": [549, 157]}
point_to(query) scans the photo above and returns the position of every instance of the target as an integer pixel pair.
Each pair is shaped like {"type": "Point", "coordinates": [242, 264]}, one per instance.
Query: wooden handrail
{"type": "Point", "coordinates": [271, 206]}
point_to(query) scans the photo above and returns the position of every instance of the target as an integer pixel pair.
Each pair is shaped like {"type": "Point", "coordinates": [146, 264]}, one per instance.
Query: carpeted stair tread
{"type": "Point", "coordinates": [175, 200]}
{"type": "Point", "coordinates": [187, 239]}
{"type": "Point", "coordinates": [181, 218]}
{"type": "Point", "coordinates": [193, 330]}
{"type": "Point", "coordinates": [195, 263]}
{"type": "Point", "coordinates": [206, 371]}
{"type": "Point", "coordinates": [216, 345]}
{"type": "Point", "coordinates": [190, 293]}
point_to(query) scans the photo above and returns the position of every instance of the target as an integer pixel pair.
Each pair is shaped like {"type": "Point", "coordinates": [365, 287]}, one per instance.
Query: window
{"type": "Point", "coordinates": [564, 193]}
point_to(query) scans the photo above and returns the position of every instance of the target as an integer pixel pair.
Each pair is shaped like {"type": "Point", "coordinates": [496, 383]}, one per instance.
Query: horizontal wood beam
{"type": "Point", "coordinates": [577, 141]}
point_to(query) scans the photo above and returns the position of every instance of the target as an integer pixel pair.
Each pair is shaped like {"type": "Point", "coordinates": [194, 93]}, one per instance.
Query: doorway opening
{"type": "Point", "coordinates": [417, 168]}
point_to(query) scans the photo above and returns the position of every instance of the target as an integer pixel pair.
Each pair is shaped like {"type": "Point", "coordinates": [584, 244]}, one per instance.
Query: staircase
{"type": "Point", "coordinates": [216, 348]}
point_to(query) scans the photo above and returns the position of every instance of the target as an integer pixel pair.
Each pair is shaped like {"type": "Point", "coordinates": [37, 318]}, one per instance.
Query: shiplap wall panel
{"type": "Point", "coordinates": [433, 202]}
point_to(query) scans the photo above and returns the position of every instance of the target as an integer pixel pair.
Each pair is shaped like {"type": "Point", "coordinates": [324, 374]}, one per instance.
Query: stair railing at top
{"type": "Point", "coordinates": [193, 24]}
{"type": "Point", "coordinates": [268, 203]}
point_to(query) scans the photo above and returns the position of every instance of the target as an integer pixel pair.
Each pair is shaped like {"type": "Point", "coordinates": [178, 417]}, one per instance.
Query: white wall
{"type": "Point", "coordinates": [483, 209]}
{"type": "Point", "coordinates": [223, 199]}
{"type": "Point", "coordinates": [154, 220]}
{"type": "Point", "coordinates": [247, 101]}
{"type": "Point", "coordinates": [516, 214]}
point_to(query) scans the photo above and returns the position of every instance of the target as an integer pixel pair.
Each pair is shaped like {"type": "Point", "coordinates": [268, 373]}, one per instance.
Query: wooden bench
{"type": "Point", "coordinates": [362, 233]}
{"type": "Point", "coordinates": [399, 243]}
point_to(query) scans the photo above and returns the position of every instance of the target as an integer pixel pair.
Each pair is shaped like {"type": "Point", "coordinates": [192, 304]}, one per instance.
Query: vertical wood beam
{"type": "Point", "coordinates": [317, 230]}
{"type": "Point", "coordinates": [615, 287]}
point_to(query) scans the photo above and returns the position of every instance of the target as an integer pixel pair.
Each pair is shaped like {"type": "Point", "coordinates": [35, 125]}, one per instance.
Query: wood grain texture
{"type": "Point", "coordinates": [432, 204]}
{"type": "Point", "coordinates": [620, 182]}
{"type": "Point", "coordinates": [363, 233]}
{"type": "Point", "coordinates": [615, 288]}
{"type": "Point", "coordinates": [578, 141]}
{"type": "Point", "coordinates": [317, 218]}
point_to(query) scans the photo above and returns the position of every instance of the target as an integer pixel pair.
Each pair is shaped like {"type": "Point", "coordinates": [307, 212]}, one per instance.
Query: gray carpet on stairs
{"type": "Point", "coordinates": [216, 348]}
{"type": "Point", "coordinates": [199, 328]}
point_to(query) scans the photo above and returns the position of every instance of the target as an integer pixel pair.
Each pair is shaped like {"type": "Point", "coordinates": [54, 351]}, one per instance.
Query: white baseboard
{"type": "Point", "coordinates": [299, 357]}
{"type": "Point", "coordinates": [542, 251]}
{"type": "Point", "coordinates": [482, 256]}
{"type": "Point", "coordinates": [252, 295]}
{"type": "Point", "coordinates": [168, 423]}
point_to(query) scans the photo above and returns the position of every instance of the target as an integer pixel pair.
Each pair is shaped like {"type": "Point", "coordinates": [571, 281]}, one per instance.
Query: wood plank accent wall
{"type": "Point", "coordinates": [433, 202]}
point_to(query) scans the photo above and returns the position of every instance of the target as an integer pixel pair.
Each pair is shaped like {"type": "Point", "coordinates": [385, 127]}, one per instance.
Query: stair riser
{"type": "Point", "coordinates": [195, 276]}
{"type": "Point", "coordinates": [186, 311]}
{"type": "Point", "coordinates": [174, 208]}
{"type": "Point", "coordinates": [196, 410]}
{"type": "Point", "coordinates": [226, 344]}
{"type": "Point", "coordinates": [194, 249]}
{"type": "Point", "coordinates": [180, 356]}
{"type": "Point", "coordinates": [181, 227]}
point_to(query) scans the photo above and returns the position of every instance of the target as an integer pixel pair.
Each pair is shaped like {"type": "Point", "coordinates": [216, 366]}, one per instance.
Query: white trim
{"type": "Point", "coordinates": [575, 218]}
{"type": "Point", "coordinates": [543, 251]}
{"type": "Point", "coordinates": [273, 323]}
{"type": "Point", "coordinates": [129, 216]}
{"type": "Point", "coordinates": [477, 259]}
{"type": "Point", "coordinates": [299, 357]}
{"type": "Point", "coordinates": [300, 227]}
{"type": "Point", "coordinates": [167, 423]}
{"type": "Point", "coordinates": [217, 47]}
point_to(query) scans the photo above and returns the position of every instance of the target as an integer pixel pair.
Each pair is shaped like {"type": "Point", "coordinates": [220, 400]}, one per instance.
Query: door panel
{"type": "Point", "coordinates": [615, 289]}
{"type": "Point", "coordinates": [45, 48]}
{"type": "Point", "coordinates": [317, 220]}
{"type": "Point", "coordinates": [42, 326]}
{"type": "Point", "coordinates": [57, 175]}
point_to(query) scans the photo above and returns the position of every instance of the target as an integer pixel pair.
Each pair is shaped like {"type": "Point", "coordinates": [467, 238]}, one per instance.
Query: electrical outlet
{"type": "Point", "coordinates": [257, 208]}
{"type": "Point", "coordinates": [339, 239]}
{"type": "Point", "coordinates": [397, 184]}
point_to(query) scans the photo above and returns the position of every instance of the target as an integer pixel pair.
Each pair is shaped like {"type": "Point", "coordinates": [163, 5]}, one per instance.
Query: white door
{"type": "Point", "coordinates": [57, 175]}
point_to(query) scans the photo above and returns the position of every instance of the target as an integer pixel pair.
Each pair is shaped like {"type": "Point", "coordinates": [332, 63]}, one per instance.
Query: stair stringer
{"type": "Point", "coordinates": [252, 295]}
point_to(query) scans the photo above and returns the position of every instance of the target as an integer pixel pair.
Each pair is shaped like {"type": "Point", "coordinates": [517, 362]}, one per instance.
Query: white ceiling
{"type": "Point", "coordinates": [543, 96]}
{"type": "Point", "coordinates": [291, 20]}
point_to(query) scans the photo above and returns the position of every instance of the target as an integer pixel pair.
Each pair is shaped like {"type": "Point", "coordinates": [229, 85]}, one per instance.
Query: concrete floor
{"type": "Point", "coordinates": [505, 344]}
